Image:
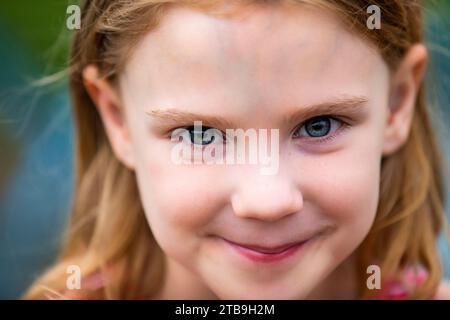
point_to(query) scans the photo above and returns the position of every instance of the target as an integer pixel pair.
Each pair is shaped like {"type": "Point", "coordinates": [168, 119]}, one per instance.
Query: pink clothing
{"type": "Point", "coordinates": [399, 289]}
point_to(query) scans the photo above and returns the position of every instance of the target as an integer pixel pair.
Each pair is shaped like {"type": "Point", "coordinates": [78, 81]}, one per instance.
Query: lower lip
{"type": "Point", "coordinates": [258, 256]}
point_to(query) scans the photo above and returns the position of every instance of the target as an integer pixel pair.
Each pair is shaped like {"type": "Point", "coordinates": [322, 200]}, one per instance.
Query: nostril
{"type": "Point", "coordinates": [268, 208]}
{"type": "Point", "coordinates": [266, 198]}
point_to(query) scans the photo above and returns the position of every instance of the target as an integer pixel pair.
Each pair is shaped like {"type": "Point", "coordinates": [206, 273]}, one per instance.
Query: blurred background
{"type": "Point", "coordinates": [36, 132]}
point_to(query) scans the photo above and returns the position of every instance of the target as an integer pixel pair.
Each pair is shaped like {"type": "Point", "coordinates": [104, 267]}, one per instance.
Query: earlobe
{"type": "Point", "coordinates": [405, 86]}
{"type": "Point", "coordinates": [111, 112]}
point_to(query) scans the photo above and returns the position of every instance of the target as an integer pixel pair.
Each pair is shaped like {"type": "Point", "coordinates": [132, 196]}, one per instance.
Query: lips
{"type": "Point", "coordinates": [266, 254]}
{"type": "Point", "coordinates": [267, 250]}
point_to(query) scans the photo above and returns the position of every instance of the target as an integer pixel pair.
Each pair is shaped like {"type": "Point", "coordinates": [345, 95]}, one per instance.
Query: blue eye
{"type": "Point", "coordinates": [318, 127]}
{"type": "Point", "coordinates": [205, 136]}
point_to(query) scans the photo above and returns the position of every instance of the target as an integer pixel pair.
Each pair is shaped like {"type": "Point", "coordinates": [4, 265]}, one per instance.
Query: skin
{"type": "Point", "coordinates": [254, 70]}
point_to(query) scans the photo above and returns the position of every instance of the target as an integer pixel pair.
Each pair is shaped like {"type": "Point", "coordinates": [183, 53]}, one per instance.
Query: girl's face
{"type": "Point", "coordinates": [228, 228]}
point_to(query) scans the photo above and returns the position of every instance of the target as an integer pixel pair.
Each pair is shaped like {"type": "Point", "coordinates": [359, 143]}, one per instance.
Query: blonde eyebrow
{"type": "Point", "coordinates": [343, 106]}
{"type": "Point", "coordinates": [176, 117]}
{"type": "Point", "coordinates": [348, 106]}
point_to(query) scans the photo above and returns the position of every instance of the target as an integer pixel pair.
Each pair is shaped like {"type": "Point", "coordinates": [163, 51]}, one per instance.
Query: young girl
{"type": "Point", "coordinates": [355, 206]}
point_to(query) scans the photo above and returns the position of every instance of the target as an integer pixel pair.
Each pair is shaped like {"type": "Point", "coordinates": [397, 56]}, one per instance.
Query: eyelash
{"type": "Point", "coordinates": [343, 125]}
{"type": "Point", "coordinates": [204, 129]}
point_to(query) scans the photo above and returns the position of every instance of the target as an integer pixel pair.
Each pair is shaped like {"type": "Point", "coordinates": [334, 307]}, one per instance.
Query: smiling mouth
{"type": "Point", "coordinates": [267, 250]}
{"type": "Point", "coordinates": [266, 254]}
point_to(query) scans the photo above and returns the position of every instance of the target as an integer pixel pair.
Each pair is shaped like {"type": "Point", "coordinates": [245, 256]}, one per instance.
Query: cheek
{"type": "Point", "coordinates": [180, 197]}
{"type": "Point", "coordinates": [345, 187]}
{"type": "Point", "coordinates": [352, 189]}
{"type": "Point", "coordinates": [346, 191]}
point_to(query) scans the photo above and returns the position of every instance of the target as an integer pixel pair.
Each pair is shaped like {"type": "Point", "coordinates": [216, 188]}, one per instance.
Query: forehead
{"type": "Point", "coordinates": [297, 49]}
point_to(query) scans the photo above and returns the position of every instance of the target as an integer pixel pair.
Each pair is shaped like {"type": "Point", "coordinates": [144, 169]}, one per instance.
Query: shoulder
{"type": "Point", "coordinates": [443, 291]}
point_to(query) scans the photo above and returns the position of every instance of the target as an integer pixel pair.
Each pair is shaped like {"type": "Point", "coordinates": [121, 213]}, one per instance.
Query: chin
{"type": "Point", "coordinates": [261, 293]}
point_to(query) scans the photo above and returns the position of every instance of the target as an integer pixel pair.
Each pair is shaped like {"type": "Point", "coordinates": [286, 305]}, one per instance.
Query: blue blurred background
{"type": "Point", "coordinates": [36, 132]}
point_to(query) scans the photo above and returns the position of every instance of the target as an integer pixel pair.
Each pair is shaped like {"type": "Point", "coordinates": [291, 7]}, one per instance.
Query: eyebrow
{"type": "Point", "coordinates": [344, 106]}
{"type": "Point", "coordinates": [176, 117]}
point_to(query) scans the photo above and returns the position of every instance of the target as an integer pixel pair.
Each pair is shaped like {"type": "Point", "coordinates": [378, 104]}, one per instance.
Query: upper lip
{"type": "Point", "coordinates": [267, 249]}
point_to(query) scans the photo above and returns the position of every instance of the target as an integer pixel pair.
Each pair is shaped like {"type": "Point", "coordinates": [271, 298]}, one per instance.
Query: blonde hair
{"type": "Point", "coordinates": [108, 231]}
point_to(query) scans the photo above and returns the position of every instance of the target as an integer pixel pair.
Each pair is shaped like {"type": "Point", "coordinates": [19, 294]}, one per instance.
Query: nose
{"type": "Point", "coordinates": [266, 197]}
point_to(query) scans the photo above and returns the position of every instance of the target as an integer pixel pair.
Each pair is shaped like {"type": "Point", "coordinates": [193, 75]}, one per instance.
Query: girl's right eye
{"type": "Point", "coordinates": [205, 136]}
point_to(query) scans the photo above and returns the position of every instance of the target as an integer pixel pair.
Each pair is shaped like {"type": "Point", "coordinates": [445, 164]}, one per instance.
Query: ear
{"type": "Point", "coordinates": [112, 114]}
{"type": "Point", "coordinates": [405, 84]}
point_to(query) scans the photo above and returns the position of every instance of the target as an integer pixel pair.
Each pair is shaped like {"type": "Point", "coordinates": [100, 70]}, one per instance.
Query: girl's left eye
{"type": "Point", "coordinates": [318, 127]}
